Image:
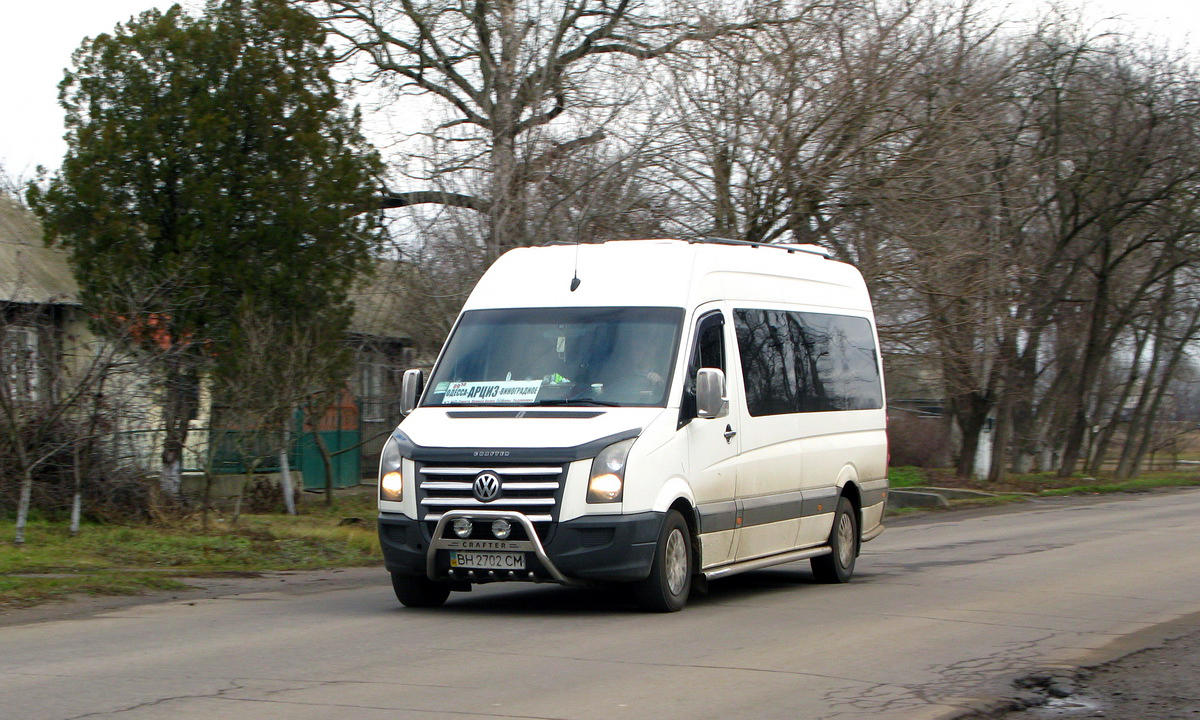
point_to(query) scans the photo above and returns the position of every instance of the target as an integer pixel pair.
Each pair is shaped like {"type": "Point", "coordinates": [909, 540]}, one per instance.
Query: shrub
{"type": "Point", "coordinates": [918, 440]}
{"type": "Point", "coordinates": [264, 496]}
{"type": "Point", "coordinates": [112, 490]}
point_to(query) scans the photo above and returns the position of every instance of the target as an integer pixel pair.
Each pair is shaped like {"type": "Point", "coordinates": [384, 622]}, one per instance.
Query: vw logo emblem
{"type": "Point", "coordinates": [486, 487]}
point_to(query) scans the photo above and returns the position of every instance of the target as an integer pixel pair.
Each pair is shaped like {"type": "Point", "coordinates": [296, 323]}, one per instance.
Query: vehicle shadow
{"type": "Point", "coordinates": [499, 599]}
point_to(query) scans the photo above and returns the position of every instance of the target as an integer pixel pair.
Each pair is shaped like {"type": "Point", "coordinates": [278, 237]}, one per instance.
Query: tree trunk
{"type": "Point", "coordinates": [247, 481]}
{"type": "Point", "coordinates": [971, 411]}
{"type": "Point", "coordinates": [23, 502]}
{"type": "Point", "coordinates": [285, 469]}
{"type": "Point", "coordinates": [1178, 352]}
{"type": "Point", "coordinates": [178, 408]}
{"type": "Point", "coordinates": [1024, 439]}
{"type": "Point", "coordinates": [77, 495]}
{"type": "Point", "coordinates": [206, 496]}
{"type": "Point", "coordinates": [88, 448]}
{"type": "Point", "coordinates": [1001, 440]}
{"type": "Point", "coordinates": [1141, 420]}
{"type": "Point", "coordinates": [1007, 368]}
{"type": "Point", "coordinates": [327, 463]}
{"type": "Point", "coordinates": [1094, 354]}
{"type": "Point", "coordinates": [506, 211]}
{"type": "Point", "coordinates": [1104, 441]}
{"type": "Point", "coordinates": [724, 214]}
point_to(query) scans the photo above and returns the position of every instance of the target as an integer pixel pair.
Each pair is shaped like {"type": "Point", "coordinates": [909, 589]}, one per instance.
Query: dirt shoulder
{"type": "Point", "coordinates": [205, 588]}
{"type": "Point", "coordinates": [1149, 675]}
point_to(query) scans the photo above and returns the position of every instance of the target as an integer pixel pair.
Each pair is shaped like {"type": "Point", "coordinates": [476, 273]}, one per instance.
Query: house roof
{"type": "Point", "coordinates": [378, 303]}
{"type": "Point", "coordinates": [30, 272]}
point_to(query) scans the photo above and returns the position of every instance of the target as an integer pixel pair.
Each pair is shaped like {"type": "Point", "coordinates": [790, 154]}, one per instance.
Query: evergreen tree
{"type": "Point", "coordinates": [211, 165]}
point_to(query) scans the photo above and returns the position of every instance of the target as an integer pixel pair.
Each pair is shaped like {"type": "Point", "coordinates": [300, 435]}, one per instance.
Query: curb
{"type": "Point", "coordinates": [933, 497]}
{"type": "Point", "coordinates": [915, 499]}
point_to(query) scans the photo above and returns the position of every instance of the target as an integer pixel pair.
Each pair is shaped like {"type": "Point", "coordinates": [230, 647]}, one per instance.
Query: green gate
{"type": "Point", "coordinates": [345, 461]}
{"type": "Point", "coordinates": [339, 431]}
{"type": "Point", "coordinates": [234, 451]}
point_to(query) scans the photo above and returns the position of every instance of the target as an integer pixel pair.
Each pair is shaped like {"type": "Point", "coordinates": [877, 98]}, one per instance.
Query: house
{"type": "Point", "coordinates": [50, 351]}
{"type": "Point", "coordinates": [46, 333]}
{"type": "Point", "coordinates": [39, 304]}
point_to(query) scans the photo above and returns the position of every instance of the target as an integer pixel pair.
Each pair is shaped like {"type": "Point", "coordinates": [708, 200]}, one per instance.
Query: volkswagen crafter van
{"type": "Point", "coordinates": [653, 412]}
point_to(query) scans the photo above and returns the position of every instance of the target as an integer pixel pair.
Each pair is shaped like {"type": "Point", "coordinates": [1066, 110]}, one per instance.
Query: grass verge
{"type": "Point", "coordinates": [1138, 484]}
{"type": "Point", "coordinates": [130, 559]}
{"type": "Point", "coordinates": [1021, 487]}
{"type": "Point", "coordinates": [906, 476]}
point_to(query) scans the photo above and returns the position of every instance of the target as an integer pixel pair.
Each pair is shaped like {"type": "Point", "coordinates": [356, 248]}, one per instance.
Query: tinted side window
{"type": "Point", "coordinates": [710, 348]}
{"type": "Point", "coordinates": [768, 361]}
{"type": "Point", "coordinates": [707, 352]}
{"type": "Point", "coordinates": [807, 362]}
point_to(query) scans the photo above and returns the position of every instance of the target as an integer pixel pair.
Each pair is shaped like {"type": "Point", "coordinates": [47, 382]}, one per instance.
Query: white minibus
{"type": "Point", "coordinates": [658, 413]}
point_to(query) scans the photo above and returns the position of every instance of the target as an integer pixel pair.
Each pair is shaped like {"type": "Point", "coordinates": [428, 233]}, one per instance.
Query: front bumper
{"type": "Point", "coordinates": [600, 548]}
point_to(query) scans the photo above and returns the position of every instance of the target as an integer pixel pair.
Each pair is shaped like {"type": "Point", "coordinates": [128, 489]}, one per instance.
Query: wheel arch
{"type": "Point", "coordinates": [690, 516]}
{"type": "Point", "coordinates": [850, 490]}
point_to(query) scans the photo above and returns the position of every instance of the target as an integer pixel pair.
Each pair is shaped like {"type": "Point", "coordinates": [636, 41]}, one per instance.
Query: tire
{"type": "Point", "coordinates": [667, 587]}
{"type": "Point", "coordinates": [838, 566]}
{"type": "Point", "coordinates": [417, 591]}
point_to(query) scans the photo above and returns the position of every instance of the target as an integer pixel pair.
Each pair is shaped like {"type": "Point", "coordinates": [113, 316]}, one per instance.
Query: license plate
{"type": "Point", "coordinates": [487, 560]}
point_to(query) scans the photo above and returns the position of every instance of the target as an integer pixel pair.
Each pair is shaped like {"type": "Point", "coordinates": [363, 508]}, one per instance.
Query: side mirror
{"type": "Point", "coordinates": [410, 390]}
{"type": "Point", "coordinates": [711, 401]}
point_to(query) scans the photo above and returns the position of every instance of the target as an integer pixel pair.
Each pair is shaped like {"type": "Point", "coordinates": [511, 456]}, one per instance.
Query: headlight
{"type": "Point", "coordinates": [607, 482]}
{"type": "Point", "coordinates": [391, 481]}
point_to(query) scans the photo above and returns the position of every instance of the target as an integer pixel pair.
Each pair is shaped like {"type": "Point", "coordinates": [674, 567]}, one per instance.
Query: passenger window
{"type": "Point", "coordinates": [807, 362]}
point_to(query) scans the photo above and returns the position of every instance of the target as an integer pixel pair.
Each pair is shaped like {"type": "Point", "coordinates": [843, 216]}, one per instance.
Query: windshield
{"type": "Point", "coordinates": [558, 356]}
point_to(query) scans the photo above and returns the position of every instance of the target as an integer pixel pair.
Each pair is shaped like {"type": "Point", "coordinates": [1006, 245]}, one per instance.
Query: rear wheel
{"type": "Point", "coordinates": [419, 591]}
{"type": "Point", "coordinates": [838, 566]}
{"type": "Point", "coordinates": [670, 580]}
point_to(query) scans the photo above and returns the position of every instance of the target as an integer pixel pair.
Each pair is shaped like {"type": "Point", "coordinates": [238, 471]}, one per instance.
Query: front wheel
{"type": "Point", "coordinates": [670, 580]}
{"type": "Point", "coordinates": [419, 591]}
{"type": "Point", "coordinates": [838, 566]}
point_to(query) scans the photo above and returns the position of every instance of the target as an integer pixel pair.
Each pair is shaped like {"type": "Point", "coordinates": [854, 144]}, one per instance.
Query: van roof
{"type": "Point", "coordinates": [669, 273]}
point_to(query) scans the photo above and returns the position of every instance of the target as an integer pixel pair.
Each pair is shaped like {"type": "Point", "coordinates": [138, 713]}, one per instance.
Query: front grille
{"type": "Point", "coordinates": [533, 490]}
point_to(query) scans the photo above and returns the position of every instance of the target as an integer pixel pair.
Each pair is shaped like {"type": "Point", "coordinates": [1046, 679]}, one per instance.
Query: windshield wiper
{"type": "Point", "coordinates": [576, 401]}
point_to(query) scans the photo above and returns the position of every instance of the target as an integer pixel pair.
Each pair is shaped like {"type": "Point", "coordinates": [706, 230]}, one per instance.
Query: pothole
{"type": "Point", "coordinates": [1049, 695]}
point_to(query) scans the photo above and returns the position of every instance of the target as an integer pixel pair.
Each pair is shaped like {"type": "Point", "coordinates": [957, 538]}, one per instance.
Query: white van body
{"type": "Point", "coordinates": [792, 467]}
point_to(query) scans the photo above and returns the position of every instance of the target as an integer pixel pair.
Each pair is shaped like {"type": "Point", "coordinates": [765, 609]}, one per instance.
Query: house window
{"type": "Point", "coordinates": [19, 358]}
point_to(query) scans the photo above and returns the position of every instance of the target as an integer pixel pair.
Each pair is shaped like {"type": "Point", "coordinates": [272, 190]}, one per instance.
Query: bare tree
{"type": "Point", "coordinates": [11, 185]}
{"type": "Point", "coordinates": [1018, 197]}
{"type": "Point", "coordinates": [1045, 196]}
{"type": "Point", "coordinates": [1177, 328]}
{"type": "Point", "coordinates": [523, 85]}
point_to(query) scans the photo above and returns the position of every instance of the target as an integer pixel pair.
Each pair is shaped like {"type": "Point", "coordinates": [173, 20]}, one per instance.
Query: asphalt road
{"type": "Point", "coordinates": [943, 613]}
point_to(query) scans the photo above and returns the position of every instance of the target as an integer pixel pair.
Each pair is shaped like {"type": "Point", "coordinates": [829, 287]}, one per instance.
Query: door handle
{"type": "Point", "coordinates": [729, 433]}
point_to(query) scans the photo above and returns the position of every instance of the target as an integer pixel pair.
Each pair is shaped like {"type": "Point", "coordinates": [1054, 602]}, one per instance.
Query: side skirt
{"type": "Point", "coordinates": [759, 563]}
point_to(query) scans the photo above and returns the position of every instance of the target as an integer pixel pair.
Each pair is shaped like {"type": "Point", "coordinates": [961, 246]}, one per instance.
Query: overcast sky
{"type": "Point", "coordinates": [37, 40]}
